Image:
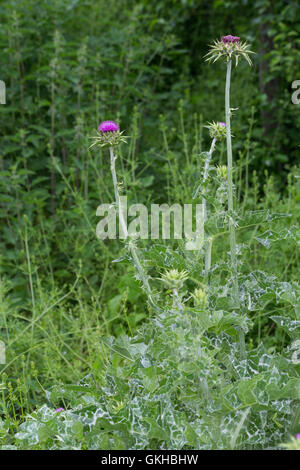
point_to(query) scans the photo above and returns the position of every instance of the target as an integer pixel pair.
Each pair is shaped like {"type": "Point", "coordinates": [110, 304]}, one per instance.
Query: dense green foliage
{"type": "Point", "coordinates": [172, 379]}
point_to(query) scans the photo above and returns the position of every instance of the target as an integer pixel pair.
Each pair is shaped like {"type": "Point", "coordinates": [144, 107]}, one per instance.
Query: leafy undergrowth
{"type": "Point", "coordinates": [179, 383]}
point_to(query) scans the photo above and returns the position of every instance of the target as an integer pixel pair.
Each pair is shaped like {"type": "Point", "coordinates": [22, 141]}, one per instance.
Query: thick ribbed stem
{"type": "Point", "coordinates": [208, 243]}
{"type": "Point", "coordinates": [232, 238]}
{"type": "Point", "coordinates": [117, 195]}
{"type": "Point", "coordinates": [176, 300]}
{"type": "Point", "coordinates": [132, 249]}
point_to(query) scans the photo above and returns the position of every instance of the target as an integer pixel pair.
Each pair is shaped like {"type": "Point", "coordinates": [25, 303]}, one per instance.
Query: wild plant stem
{"type": "Point", "coordinates": [176, 300]}
{"type": "Point", "coordinates": [131, 245]}
{"type": "Point", "coordinates": [30, 284]}
{"type": "Point", "coordinates": [29, 269]}
{"type": "Point", "coordinates": [208, 251]}
{"type": "Point", "coordinates": [296, 420]}
{"type": "Point", "coordinates": [232, 237]}
{"type": "Point", "coordinates": [52, 146]}
{"type": "Point", "coordinates": [117, 194]}
{"type": "Point", "coordinates": [208, 243]}
{"type": "Point", "coordinates": [184, 136]}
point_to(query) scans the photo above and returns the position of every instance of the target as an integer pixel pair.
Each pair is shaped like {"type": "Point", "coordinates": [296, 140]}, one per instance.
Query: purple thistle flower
{"type": "Point", "coordinates": [223, 124]}
{"type": "Point", "coordinates": [230, 39]}
{"type": "Point", "coordinates": [108, 126]}
{"type": "Point", "coordinates": [58, 410]}
{"type": "Point", "coordinates": [298, 436]}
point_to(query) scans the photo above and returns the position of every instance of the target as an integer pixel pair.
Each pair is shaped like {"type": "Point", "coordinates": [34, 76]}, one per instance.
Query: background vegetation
{"type": "Point", "coordinates": [68, 65]}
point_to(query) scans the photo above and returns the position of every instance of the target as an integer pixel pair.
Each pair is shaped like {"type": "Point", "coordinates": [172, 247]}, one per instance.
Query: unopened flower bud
{"type": "Point", "coordinates": [222, 171]}
{"type": "Point", "coordinates": [200, 298]}
{"type": "Point", "coordinates": [174, 279]}
{"type": "Point", "coordinates": [217, 130]}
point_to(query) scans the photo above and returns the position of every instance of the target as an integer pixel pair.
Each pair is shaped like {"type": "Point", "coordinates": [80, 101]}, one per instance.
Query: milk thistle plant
{"type": "Point", "coordinates": [231, 48]}
{"type": "Point", "coordinates": [178, 382]}
{"type": "Point", "coordinates": [109, 135]}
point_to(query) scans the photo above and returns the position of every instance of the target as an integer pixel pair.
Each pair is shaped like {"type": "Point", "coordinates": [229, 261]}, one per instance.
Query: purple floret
{"type": "Point", "coordinates": [108, 126]}
{"type": "Point", "coordinates": [58, 410]}
{"type": "Point", "coordinates": [229, 38]}
{"type": "Point", "coordinates": [223, 124]}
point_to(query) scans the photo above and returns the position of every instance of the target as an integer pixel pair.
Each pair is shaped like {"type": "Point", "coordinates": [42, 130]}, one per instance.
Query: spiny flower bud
{"type": "Point", "coordinates": [174, 279]}
{"type": "Point", "coordinates": [229, 47]}
{"type": "Point", "coordinates": [200, 298]}
{"type": "Point", "coordinates": [222, 171]}
{"type": "Point", "coordinates": [217, 130]}
{"type": "Point", "coordinates": [109, 135]}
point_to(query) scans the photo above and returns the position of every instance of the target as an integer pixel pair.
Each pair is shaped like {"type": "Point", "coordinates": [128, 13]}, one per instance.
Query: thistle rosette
{"type": "Point", "coordinates": [108, 135]}
{"type": "Point", "coordinates": [217, 130]}
{"type": "Point", "coordinates": [229, 48]}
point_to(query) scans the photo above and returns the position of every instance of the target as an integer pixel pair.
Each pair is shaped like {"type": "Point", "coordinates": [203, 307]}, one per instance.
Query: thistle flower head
{"type": "Point", "coordinates": [174, 279]}
{"type": "Point", "coordinates": [58, 410]}
{"type": "Point", "coordinates": [229, 48]}
{"type": "Point", "coordinates": [217, 130]}
{"type": "Point", "coordinates": [108, 135]}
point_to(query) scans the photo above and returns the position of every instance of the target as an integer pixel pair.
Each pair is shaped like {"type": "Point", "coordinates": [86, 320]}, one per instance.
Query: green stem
{"type": "Point", "coordinates": [208, 251]}
{"type": "Point", "coordinates": [230, 183]}
{"type": "Point", "coordinates": [117, 195]}
{"type": "Point", "coordinates": [176, 300]}
{"type": "Point", "coordinates": [139, 267]}
{"type": "Point", "coordinates": [296, 421]}
{"type": "Point", "coordinates": [232, 237]}
{"type": "Point", "coordinates": [208, 243]}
